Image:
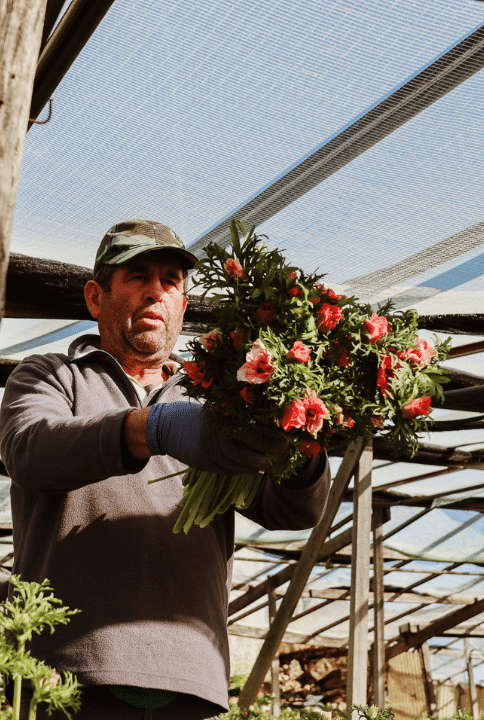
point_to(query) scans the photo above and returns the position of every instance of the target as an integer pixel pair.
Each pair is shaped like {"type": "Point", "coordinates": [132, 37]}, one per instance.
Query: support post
{"type": "Point", "coordinates": [472, 684]}
{"type": "Point", "coordinates": [276, 690]}
{"type": "Point", "coordinates": [360, 571]}
{"type": "Point", "coordinates": [429, 686]}
{"type": "Point", "coordinates": [379, 664]}
{"type": "Point", "coordinates": [21, 25]}
{"type": "Point", "coordinates": [306, 562]}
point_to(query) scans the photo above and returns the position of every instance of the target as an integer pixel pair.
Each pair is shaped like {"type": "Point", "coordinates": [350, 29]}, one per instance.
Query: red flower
{"type": "Point", "coordinates": [342, 358]}
{"type": "Point", "coordinates": [293, 292]}
{"type": "Point", "coordinates": [316, 411]}
{"type": "Point", "coordinates": [377, 422]}
{"type": "Point", "coordinates": [414, 408]}
{"type": "Point", "coordinates": [325, 293]}
{"type": "Point", "coordinates": [195, 369]}
{"type": "Point", "coordinates": [226, 409]}
{"type": "Point", "coordinates": [309, 447]}
{"type": "Point", "coordinates": [294, 415]}
{"type": "Point", "coordinates": [239, 338]}
{"type": "Point", "coordinates": [266, 313]}
{"type": "Point", "coordinates": [248, 394]}
{"type": "Point", "coordinates": [234, 270]}
{"type": "Point", "coordinates": [299, 352]}
{"type": "Point", "coordinates": [421, 355]}
{"type": "Point", "coordinates": [382, 377]}
{"type": "Point", "coordinates": [259, 367]}
{"type": "Point", "coordinates": [377, 326]}
{"type": "Point", "coordinates": [328, 316]}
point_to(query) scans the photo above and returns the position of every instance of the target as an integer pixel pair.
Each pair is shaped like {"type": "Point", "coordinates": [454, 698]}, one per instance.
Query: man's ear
{"type": "Point", "coordinates": [185, 303]}
{"type": "Point", "coordinates": [93, 293]}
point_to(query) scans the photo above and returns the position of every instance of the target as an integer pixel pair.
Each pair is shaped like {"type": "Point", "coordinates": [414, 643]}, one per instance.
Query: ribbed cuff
{"type": "Point", "coordinates": [154, 427]}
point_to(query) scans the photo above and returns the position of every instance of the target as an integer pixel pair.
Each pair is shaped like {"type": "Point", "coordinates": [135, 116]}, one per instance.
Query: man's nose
{"type": "Point", "coordinates": [155, 289]}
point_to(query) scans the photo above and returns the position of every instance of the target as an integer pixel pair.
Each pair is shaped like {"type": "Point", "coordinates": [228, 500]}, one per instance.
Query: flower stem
{"type": "Point", "coordinates": [17, 692]}
{"type": "Point", "coordinates": [32, 709]}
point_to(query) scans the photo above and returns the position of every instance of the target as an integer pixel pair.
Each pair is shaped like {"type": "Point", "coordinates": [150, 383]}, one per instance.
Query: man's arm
{"type": "Point", "coordinates": [48, 448]}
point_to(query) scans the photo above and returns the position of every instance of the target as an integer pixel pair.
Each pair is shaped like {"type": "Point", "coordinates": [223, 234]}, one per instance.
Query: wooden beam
{"type": "Point", "coordinates": [291, 638]}
{"type": "Point", "coordinates": [471, 324]}
{"type": "Point", "coordinates": [413, 638]}
{"type": "Point", "coordinates": [429, 686]}
{"type": "Point", "coordinates": [360, 583]}
{"type": "Point", "coordinates": [278, 579]}
{"type": "Point", "coordinates": [64, 45]}
{"type": "Point", "coordinates": [49, 289]}
{"type": "Point", "coordinates": [378, 659]}
{"type": "Point", "coordinates": [301, 574]}
{"type": "Point", "coordinates": [472, 684]}
{"type": "Point", "coordinates": [276, 689]}
{"type": "Point", "coordinates": [52, 12]}
{"type": "Point", "coordinates": [21, 24]}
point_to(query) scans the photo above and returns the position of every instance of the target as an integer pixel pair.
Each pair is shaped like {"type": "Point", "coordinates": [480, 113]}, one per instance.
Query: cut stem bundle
{"type": "Point", "coordinates": [208, 494]}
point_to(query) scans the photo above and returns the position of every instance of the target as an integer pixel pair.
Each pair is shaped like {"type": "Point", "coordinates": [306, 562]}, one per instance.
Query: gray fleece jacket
{"type": "Point", "coordinates": [154, 604]}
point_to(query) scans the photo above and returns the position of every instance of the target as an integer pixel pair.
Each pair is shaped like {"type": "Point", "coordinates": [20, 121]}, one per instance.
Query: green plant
{"type": "Point", "coordinates": [373, 712]}
{"type": "Point", "coordinates": [30, 611]}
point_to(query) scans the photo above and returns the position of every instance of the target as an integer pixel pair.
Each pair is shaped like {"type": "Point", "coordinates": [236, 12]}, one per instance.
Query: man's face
{"type": "Point", "coordinates": [141, 316]}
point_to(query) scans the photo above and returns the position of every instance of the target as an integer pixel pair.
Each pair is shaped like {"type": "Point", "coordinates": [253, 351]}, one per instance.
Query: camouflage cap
{"type": "Point", "coordinates": [125, 240]}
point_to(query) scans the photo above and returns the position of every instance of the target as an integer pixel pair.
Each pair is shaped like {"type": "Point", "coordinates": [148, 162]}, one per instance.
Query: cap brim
{"type": "Point", "coordinates": [187, 257]}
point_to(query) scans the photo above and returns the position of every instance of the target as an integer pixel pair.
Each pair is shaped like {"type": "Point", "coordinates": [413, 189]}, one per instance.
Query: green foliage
{"type": "Point", "coordinates": [261, 711]}
{"type": "Point", "coordinates": [373, 712]}
{"type": "Point", "coordinates": [32, 609]}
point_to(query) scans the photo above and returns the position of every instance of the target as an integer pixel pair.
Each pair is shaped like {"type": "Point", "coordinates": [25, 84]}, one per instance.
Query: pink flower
{"type": "Point", "coordinates": [309, 447]}
{"type": "Point", "coordinates": [328, 316]}
{"type": "Point", "coordinates": [316, 411]}
{"type": "Point", "coordinates": [299, 352]}
{"type": "Point", "coordinates": [421, 355]}
{"type": "Point", "coordinates": [259, 367]}
{"type": "Point", "coordinates": [211, 339]}
{"type": "Point", "coordinates": [234, 270]}
{"type": "Point", "coordinates": [414, 408]}
{"type": "Point", "coordinates": [294, 415]}
{"type": "Point", "coordinates": [195, 369]}
{"type": "Point", "coordinates": [238, 338]}
{"type": "Point", "coordinates": [377, 326]}
{"type": "Point", "coordinates": [266, 313]}
{"type": "Point", "coordinates": [53, 680]}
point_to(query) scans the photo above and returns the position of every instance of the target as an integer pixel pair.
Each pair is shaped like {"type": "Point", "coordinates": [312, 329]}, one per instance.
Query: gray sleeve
{"type": "Point", "coordinates": [297, 506]}
{"type": "Point", "coordinates": [44, 446]}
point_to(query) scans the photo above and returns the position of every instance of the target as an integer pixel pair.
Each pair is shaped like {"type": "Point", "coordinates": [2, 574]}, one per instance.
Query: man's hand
{"type": "Point", "coordinates": [182, 431]}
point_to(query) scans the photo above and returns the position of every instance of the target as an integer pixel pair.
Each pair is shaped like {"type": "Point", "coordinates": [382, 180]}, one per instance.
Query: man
{"type": "Point", "coordinates": [81, 437]}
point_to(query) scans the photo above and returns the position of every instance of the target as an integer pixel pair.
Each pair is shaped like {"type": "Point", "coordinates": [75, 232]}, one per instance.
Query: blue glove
{"type": "Point", "coordinates": [181, 430]}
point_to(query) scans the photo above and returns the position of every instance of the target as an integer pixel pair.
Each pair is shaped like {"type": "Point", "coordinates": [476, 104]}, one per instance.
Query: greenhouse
{"type": "Point", "coordinates": [350, 135]}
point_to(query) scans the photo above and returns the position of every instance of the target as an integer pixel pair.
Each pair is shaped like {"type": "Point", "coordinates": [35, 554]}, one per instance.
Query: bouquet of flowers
{"type": "Point", "coordinates": [289, 354]}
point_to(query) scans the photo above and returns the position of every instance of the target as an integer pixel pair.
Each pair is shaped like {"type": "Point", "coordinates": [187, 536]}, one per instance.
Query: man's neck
{"type": "Point", "coordinates": [145, 375]}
